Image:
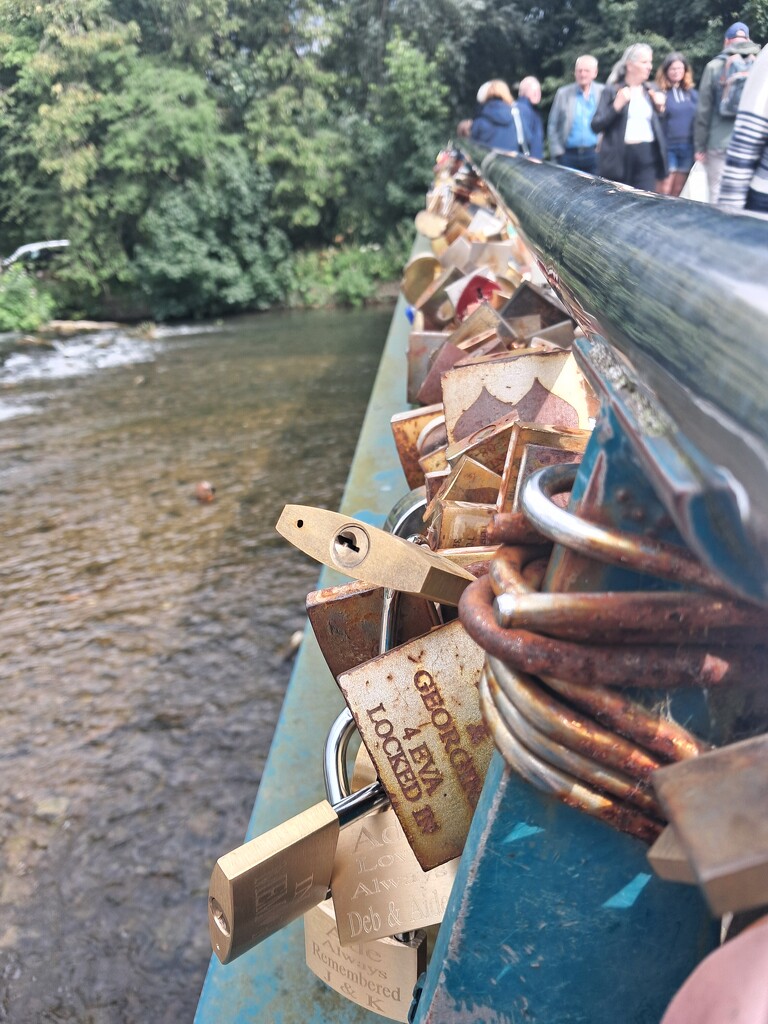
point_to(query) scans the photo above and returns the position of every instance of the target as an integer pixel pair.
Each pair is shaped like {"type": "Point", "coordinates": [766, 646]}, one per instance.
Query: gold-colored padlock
{"type": "Point", "coordinates": [379, 976]}
{"type": "Point", "coordinates": [268, 882]}
{"type": "Point", "coordinates": [367, 553]}
{"type": "Point", "coordinates": [378, 887]}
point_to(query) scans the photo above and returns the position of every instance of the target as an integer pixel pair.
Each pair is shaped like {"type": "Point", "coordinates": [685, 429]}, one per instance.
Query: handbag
{"type": "Point", "coordinates": [696, 185]}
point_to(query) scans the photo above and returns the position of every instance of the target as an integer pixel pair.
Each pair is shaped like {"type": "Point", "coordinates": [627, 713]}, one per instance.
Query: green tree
{"type": "Point", "coordinates": [208, 247]}
{"type": "Point", "coordinates": [139, 129]}
{"type": "Point", "coordinates": [292, 128]}
{"type": "Point", "coordinates": [396, 140]}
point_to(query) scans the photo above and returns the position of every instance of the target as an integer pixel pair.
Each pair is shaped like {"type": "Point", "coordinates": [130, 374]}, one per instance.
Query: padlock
{"type": "Point", "coordinates": [532, 446]}
{"type": "Point", "coordinates": [488, 445]}
{"type": "Point", "coordinates": [560, 335]}
{"type": "Point", "coordinates": [434, 303]}
{"type": "Point", "coordinates": [420, 272]}
{"type": "Point", "coordinates": [462, 253]}
{"type": "Point", "coordinates": [433, 460]}
{"type": "Point", "coordinates": [484, 225]}
{"type": "Point", "coordinates": [455, 523]}
{"type": "Point", "coordinates": [483, 344]}
{"type": "Point", "coordinates": [270, 881]}
{"type": "Point", "coordinates": [406, 430]}
{"type": "Point", "coordinates": [430, 390]}
{"type": "Point", "coordinates": [379, 976]}
{"type": "Point", "coordinates": [346, 621]}
{"type": "Point", "coordinates": [484, 318]}
{"type": "Point", "coordinates": [422, 347]}
{"type": "Point", "coordinates": [718, 804]}
{"type": "Point", "coordinates": [468, 480]}
{"type": "Point", "coordinates": [530, 298]}
{"type": "Point", "coordinates": [378, 886]}
{"type": "Point", "coordinates": [417, 710]}
{"type": "Point", "coordinates": [541, 387]}
{"type": "Point", "coordinates": [367, 553]}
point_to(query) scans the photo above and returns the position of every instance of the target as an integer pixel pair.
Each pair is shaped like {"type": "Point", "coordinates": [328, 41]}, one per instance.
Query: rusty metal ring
{"type": "Point", "coordinates": [628, 717]}
{"type": "Point", "coordinates": [661, 736]}
{"type": "Point", "coordinates": [631, 616]}
{"type": "Point", "coordinates": [616, 783]}
{"type": "Point", "coordinates": [636, 665]}
{"type": "Point", "coordinates": [560, 784]}
{"type": "Point", "coordinates": [573, 730]}
{"type": "Point", "coordinates": [606, 545]}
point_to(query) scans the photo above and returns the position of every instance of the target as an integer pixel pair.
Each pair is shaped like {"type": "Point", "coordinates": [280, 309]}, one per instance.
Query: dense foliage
{"type": "Point", "coordinates": [23, 305]}
{"type": "Point", "coordinates": [190, 150]}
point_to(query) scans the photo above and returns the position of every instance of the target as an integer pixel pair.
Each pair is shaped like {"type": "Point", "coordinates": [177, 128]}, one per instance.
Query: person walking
{"type": "Point", "coordinates": [632, 149]}
{"type": "Point", "coordinates": [712, 129]}
{"type": "Point", "coordinates": [572, 142]}
{"type": "Point", "coordinates": [494, 125]}
{"type": "Point", "coordinates": [529, 97]}
{"type": "Point", "coordinates": [744, 185]}
{"type": "Point", "coordinates": [675, 79]}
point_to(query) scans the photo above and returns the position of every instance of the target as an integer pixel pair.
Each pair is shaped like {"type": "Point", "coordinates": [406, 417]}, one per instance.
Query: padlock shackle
{"type": "Point", "coordinates": [363, 801]}
{"type": "Point", "coordinates": [335, 771]}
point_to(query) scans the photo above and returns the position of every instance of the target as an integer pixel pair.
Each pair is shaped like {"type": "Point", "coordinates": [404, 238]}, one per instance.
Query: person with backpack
{"type": "Point", "coordinates": [494, 125]}
{"type": "Point", "coordinates": [744, 186]}
{"type": "Point", "coordinates": [719, 93]}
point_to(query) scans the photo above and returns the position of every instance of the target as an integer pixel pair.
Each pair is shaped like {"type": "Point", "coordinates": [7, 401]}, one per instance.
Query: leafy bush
{"type": "Point", "coordinates": [348, 274]}
{"type": "Point", "coordinates": [23, 305]}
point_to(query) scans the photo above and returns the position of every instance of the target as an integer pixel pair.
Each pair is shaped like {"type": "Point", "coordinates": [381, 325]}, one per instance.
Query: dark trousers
{"type": "Point", "coordinates": [582, 158]}
{"type": "Point", "coordinates": [640, 165]}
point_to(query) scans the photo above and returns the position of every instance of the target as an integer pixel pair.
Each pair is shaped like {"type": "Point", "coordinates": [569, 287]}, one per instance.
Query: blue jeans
{"type": "Point", "coordinates": [582, 158]}
{"type": "Point", "coordinates": [680, 157]}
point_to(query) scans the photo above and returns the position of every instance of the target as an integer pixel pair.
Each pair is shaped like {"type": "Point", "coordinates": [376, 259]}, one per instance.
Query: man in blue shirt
{"type": "Point", "coordinates": [572, 143]}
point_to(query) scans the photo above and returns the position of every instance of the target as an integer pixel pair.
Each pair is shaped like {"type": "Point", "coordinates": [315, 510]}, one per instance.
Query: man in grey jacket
{"type": "Point", "coordinates": [571, 139]}
{"type": "Point", "coordinates": [712, 131]}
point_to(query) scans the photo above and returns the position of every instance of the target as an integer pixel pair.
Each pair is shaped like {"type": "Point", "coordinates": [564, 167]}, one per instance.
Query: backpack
{"type": "Point", "coordinates": [732, 78]}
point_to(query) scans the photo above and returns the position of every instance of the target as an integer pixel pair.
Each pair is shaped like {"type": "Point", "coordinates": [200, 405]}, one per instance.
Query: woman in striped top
{"type": "Point", "coordinates": [745, 180]}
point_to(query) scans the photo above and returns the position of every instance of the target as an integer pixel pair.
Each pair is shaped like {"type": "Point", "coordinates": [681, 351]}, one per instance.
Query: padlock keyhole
{"type": "Point", "coordinates": [350, 547]}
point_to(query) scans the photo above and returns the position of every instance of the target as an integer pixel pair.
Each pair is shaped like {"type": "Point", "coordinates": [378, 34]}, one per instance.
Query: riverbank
{"type": "Point", "coordinates": [336, 277]}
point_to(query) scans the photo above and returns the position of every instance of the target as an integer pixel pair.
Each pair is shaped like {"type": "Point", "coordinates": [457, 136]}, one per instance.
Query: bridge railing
{"type": "Point", "coordinates": [673, 298]}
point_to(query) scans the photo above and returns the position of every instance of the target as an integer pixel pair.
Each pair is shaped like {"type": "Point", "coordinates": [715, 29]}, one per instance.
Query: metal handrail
{"type": "Point", "coordinates": [672, 296]}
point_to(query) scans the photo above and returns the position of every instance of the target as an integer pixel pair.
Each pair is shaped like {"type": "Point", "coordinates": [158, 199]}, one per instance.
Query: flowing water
{"type": "Point", "coordinates": [144, 635]}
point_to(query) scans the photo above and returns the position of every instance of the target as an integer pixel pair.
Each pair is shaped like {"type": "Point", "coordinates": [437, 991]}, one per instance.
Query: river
{"type": "Point", "coordinates": [144, 635]}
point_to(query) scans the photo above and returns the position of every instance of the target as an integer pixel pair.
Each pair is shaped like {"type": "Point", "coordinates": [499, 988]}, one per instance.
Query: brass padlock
{"type": "Point", "coordinates": [379, 976]}
{"type": "Point", "coordinates": [367, 553]}
{"type": "Point", "coordinates": [268, 882]}
{"type": "Point", "coordinates": [718, 804]}
{"type": "Point", "coordinates": [378, 886]}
